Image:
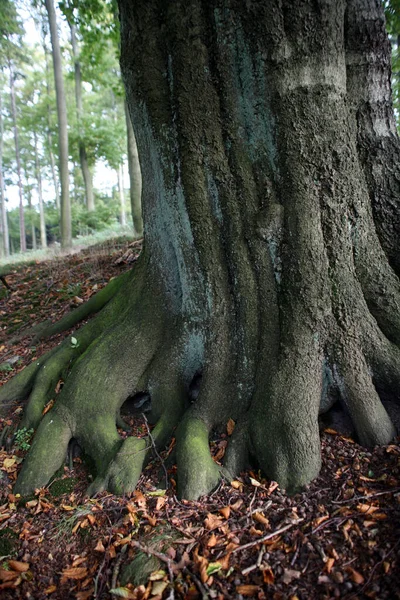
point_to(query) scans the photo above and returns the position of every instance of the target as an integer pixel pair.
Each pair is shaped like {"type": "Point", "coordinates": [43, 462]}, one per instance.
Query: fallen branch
{"type": "Point", "coordinates": [266, 537]}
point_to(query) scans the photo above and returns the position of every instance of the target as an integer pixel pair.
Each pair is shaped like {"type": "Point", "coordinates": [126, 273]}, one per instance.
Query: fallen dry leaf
{"type": "Point", "coordinates": [355, 576]}
{"type": "Point", "coordinates": [248, 590]}
{"type": "Point", "coordinates": [225, 512]}
{"type": "Point", "coordinates": [260, 518]}
{"type": "Point", "coordinates": [237, 485]}
{"type": "Point", "coordinates": [75, 573]}
{"type": "Point", "coordinates": [329, 564]}
{"type": "Point", "coordinates": [99, 547]}
{"type": "Point", "coordinates": [212, 521]}
{"type": "Point", "coordinates": [20, 567]}
{"type": "Point", "coordinates": [268, 576]}
{"type": "Point", "coordinates": [6, 575]}
{"type": "Point", "coordinates": [50, 589]}
{"type": "Point", "coordinates": [230, 426]}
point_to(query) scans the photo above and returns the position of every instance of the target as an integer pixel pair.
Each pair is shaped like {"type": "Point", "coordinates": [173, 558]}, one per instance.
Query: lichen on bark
{"type": "Point", "coordinates": [268, 275]}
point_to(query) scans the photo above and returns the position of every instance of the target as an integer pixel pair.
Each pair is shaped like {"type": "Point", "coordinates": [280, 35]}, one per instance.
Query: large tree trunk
{"type": "Point", "coordinates": [263, 278]}
{"type": "Point", "coordinates": [87, 176]}
{"type": "Point", "coordinates": [22, 235]}
{"type": "Point", "coordinates": [4, 239]}
{"type": "Point", "coordinates": [135, 176]}
{"type": "Point", "coordinates": [66, 235]}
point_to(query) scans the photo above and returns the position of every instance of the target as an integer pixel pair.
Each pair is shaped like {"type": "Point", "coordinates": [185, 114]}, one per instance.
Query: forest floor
{"type": "Point", "coordinates": [340, 538]}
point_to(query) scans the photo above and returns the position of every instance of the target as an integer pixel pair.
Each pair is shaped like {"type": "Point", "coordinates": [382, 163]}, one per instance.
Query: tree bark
{"type": "Point", "coordinates": [4, 241]}
{"type": "Point", "coordinates": [66, 231]}
{"type": "Point", "coordinates": [43, 236]}
{"type": "Point", "coordinates": [22, 235]}
{"type": "Point", "coordinates": [87, 176]}
{"type": "Point", "coordinates": [263, 281]}
{"type": "Point", "coordinates": [135, 177]}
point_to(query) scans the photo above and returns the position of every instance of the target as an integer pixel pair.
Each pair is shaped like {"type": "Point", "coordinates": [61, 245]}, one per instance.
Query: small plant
{"type": "Point", "coordinates": [22, 439]}
{"type": "Point", "coordinates": [74, 342]}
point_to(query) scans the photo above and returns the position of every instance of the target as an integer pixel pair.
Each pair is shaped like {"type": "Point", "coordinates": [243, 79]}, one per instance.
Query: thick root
{"type": "Point", "coordinates": [19, 387]}
{"type": "Point", "coordinates": [91, 307]}
{"type": "Point", "coordinates": [124, 470]}
{"type": "Point", "coordinates": [370, 419]}
{"type": "Point", "coordinates": [198, 474]}
{"type": "Point", "coordinates": [289, 453]}
{"type": "Point", "coordinates": [47, 453]}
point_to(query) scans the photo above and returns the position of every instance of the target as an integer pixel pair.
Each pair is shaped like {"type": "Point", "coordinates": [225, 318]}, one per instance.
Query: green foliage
{"type": "Point", "coordinates": [104, 216]}
{"type": "Point", "coordinates": [74, 342]}
{"type": "Point", "coordinates": [392, 13]}
{"type": "Point", "coordinates": [22, 439]}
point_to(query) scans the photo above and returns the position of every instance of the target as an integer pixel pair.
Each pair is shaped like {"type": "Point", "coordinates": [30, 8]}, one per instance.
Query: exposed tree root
{"type": "Point", "coordinates": [91, 307]}
{"type": "Point", "coordinates": [117, 356]}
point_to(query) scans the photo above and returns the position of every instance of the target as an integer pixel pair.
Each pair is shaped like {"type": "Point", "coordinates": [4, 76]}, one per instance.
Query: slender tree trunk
{"type": "Point", "coordinates": [54, 174]}
{"type": "Point", "coordinates": [87, 176]}
{"type": "Point", "coordinates": [29, 199]}
{"type": "Point", "coordinates": [18, 159]}
{"type": "Point", "coordinates": [120, 176]}
{"type": "Point", "coordinates": [66, 232]}
{"type": "Point", "coordinates": [4, 241]}
{"type": "Point", "coordinates": [28, 195]}
{"type": "Point", "coordinates": [49, 138]}
{"type": "Point", "coordinates": [43, 236]}
{"type": "Point", "coordinates": [135, 177]}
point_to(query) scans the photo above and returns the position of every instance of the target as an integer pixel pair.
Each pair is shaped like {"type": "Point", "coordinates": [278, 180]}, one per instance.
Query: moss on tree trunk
{"type": "Point", "coordinates": [267, 267]}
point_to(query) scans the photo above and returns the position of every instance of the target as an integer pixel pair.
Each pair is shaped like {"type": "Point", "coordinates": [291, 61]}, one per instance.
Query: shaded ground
{"type": "Point", "coordinates": [338, 539]}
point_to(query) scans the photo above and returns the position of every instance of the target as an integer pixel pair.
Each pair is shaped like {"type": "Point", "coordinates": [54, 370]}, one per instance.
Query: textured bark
{"type": "Point", "coordinates": [135, 177]}
{"type": "Point", "coordinates": [65, 205]}
{"type": "Point", "coordinates": [22, 236]}
{"type": "Point", "coordinates": [87, 176]}
{"type": "Point", "coordinates": [263, 282]}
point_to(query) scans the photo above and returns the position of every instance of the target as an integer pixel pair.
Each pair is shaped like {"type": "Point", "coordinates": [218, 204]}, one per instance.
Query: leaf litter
{"type": "Point", "coordinates": [339, 538]}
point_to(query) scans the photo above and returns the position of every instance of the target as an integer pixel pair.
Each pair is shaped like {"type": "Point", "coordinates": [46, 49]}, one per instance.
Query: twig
{"type": "Point", "coordinates": [96, 593]}
{"type": "Point", "coordinates": [340, 519]}
{"type": "Point", "coordinates": [155, 450]}
{"type": "Point", "coordinates": [256, 565]}
{"type": "Point", "coordinates": [266, 537]}
{"type": "Point", "coordinates": [160, 555]}
{"type": "Point", "coordinates": [205, 595]}
{"type": "Point", "coordinates": [378, 564]}
{"type": "Point", "coordinates": [117, 568]}
{"type": "Point", "coordinates": [367, 497]}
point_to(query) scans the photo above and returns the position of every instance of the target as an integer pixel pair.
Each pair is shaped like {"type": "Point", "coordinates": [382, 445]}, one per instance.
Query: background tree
{"type": "Point", "coordinates": [87, 176]}
{"type": "Point", "coordinates": [392, 12]}
{"type": "Point", "coordinates": [12, 53]}
{"type": "Point", "coordinates": [135, 176]}
{"type": "Point", "coordinates": [66, 233]}
{"type": "Point", "coordinates": [4, 238]}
